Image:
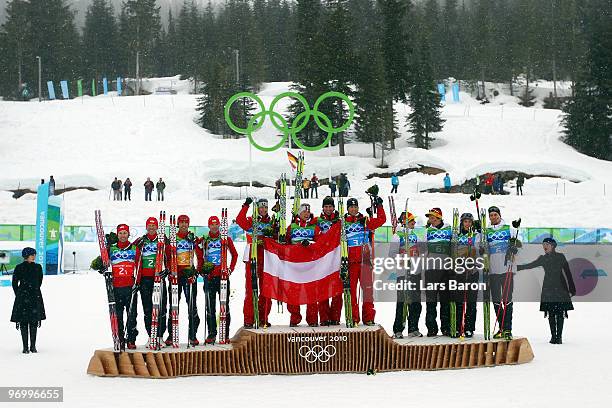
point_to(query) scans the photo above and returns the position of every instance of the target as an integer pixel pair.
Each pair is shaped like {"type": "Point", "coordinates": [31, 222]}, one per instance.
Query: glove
{"type": "Point", "coordinates": [111, 239]}
{"type": "Point", "coordinates": [378, 201]}
{"type": "Point", "coordinates": [305, 243]}
{"type": "Point", "coordinates": [248, 201]}
{"type": "Point", "coordinates": [509, 253]}
{"type": "Point", "coordinates": [373, 190]}
{"type": "Point", "coordinates": [189, 272]}
{"type": "Point", "coordinates": [515, 243]}
{"type": "Point", "coordinates": [207, 268]}
{"type": "Point", "coordinates": [276, 207]}
{"type": "Point", "coordinates": [17, 326]}
{"type": "Point", "coordinates": [267, 232]}
{"type": "Point", "coordinates": [191, 237]}
{"type": "Point", "coordinates": [97, 265]}
{"type": "Point", "coordinates": [369, 211]}
{"type": "Point", "coordinates": [477, 225]}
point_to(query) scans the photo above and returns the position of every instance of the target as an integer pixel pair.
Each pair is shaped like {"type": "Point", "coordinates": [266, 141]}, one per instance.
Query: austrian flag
{"type": "Point", "coordinates": [299, 275]}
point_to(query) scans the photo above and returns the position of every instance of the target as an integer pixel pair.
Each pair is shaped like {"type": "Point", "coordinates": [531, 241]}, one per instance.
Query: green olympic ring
{"type": "Point", "coordinates": [298, 124]}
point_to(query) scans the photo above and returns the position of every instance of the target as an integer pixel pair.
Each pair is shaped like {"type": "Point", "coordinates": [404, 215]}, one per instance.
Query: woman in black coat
{"type": "Point", "coordinates": [557, 289]}
{"type": "Point", "coordinates": [28, 309]}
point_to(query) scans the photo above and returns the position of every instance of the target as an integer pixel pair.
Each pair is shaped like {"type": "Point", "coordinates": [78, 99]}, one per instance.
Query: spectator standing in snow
{"type": "Point", "coordinates": [160, 186]}
{"type": "Point", "coordinates": [115, 188]}
{"type": "Point", "coordinates": [520, 181]}
{"type": "Point", "coordinates": [305, 188]}
{"type": "Point", "coordinates": [347, 185]}
{"type": "Point", "coordinates": [489, 183]}
{"type": "Point", "coordinates": [447, 183]}
{"type": "Point", "coordinates": [119, 188]}
{"type": "Point", "coordinates": [148, 185]}
{"type": "Point", "coordinates": [127, 189]}
{"type": "Point", "coordinates": [332, 187]}
{"type": "Point", "coordinates": [314, 185]}
{"type": "Point", "coordinates": [394, 183]}
{"type": "Point", "coordinates": [498, 184]}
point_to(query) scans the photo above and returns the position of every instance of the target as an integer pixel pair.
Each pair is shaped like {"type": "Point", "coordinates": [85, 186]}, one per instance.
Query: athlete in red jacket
{"type": "Point", "coordinates": [124, 256]}
{"type": "Point", "coordinates": [185, 256]}
{"type": "Point", "coordinates": [359, 230]}
{"type": "Point", "coordinates": [211, 251]}
{"type": "Point", "coordinates": [329, 315]}
{"type": "Point", "coordinates": [265, 222]}
{"type": "Point", "coordinates": [303, 230]}
{"type": "Point", "coordinates": [147, 245]}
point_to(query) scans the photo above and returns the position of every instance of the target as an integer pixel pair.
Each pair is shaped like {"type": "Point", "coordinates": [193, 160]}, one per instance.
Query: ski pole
{"type": "Point", "coordinates": [206, 309]}
{"type": "Point", "coordinates": [133, 296]}
{"type": "Point", "coordinates": [508, 279]}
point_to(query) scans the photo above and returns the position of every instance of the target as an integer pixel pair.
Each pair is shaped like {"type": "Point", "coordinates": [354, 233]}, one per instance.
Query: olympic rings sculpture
{"type": "Point", "coordinates": [317, 353]}
{"type": "Point", "coordinates": [298, 124]}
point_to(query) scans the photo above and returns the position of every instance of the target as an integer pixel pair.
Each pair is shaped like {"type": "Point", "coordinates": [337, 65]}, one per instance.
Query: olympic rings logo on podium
{"type": "Point", "coordinates": [317, 353]}
{"type": "Point", "coordinates": [298, 124]}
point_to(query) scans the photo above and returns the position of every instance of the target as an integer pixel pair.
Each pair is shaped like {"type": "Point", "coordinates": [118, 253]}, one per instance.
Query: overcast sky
{"type": "Point", "coordinates": [81, 6]}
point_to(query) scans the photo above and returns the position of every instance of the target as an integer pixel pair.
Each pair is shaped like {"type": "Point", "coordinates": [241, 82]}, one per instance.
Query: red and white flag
{"type": "Point", "coordinates": [299, 275]}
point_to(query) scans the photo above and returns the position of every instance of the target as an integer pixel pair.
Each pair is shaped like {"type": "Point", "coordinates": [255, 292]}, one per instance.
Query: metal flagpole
{"type": "Point", "coordinates": [250, 164]}
{"type": "Point", "coordinates": [330, 159]}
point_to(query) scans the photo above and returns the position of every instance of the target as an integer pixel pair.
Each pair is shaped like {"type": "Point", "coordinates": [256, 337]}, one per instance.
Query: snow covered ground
{"type": "Point", "coordinates": [89, 141]}
{"type": "Point", "coordinates": [572, 374]}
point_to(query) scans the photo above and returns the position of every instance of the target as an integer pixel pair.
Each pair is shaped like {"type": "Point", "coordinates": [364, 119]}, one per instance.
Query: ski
{"type": "Point", "coordinates": [407, 233]}
{"type": "Point", "coordinates": [253, 265]}
{"type": "Point", "coordinates": [344, 269]}
{"type": "Point", "coordinates": [392, 214]}
{"type": "Point", "coordinates": [174, 289]}
{"type": "Point", "coordinates": [486, 295]}
{"type": "Point", "coordinates": [223, 329]}
{"type": "Point", "coordinates": [154, 340]}
{"type": "Point", "coordinates": [282, 221]}
{"type": "Point", "coordinates": [134, 294]}
{"type": "Point", "coordinates": [297, 195]}
{"type": "Point", "coordinates": [108, 278]}
{"type": "Point", "coordinates": [508, 278]}
{"type": "Point", "coordinates": [192, 288]}
{"type": "Point", "coordinates": [465, 291]}
{"type": "Point", "coordinates": [453, 250]}
{"type": "Point", "coordinates": [282, 214]}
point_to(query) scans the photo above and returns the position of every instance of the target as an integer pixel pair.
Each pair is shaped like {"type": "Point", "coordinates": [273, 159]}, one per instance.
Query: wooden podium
{"type": "Point", "coordinates": [305, 350]}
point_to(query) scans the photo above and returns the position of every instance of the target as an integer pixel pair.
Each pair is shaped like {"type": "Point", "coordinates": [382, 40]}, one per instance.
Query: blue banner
{"type": "Point", "coordinates": [118, 86]}
{"type": "Point", "coordinates": [105, 85]}
{"type": "Point", "coordinates": [442, 92]}
{"type": "Point", "coordinates": [49, 231]}
{"type": "Point", "coordinates": [55, 236]}
{"type": "Point", "coordinates": [455, 89]}
{"type": "Point", "coordinates": [64, 85]}
{"type": "Point", "coordinates": [51, 89]}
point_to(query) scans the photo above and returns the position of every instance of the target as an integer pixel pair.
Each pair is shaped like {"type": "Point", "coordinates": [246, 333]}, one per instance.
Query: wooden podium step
{"type": "Point", "coordinates": [305, 350]}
